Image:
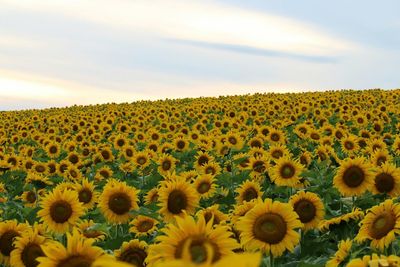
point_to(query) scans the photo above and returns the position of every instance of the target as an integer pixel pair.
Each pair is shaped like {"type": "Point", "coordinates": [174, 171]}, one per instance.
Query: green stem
{"type": "Point", "coordinates": [271, 260]}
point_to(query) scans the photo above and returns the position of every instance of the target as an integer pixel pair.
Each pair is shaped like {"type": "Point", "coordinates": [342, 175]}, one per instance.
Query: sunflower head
{"type": "Point", "coordinates": [354, 177]}
{"type": "Point", "coordinates": [117, 200]}
{"type": "Point", "coordinates": [309, 207]}
{"type": "Point", "coordinates": [270, 227]}
{"type": "Point", "coordinates": [177, 196]}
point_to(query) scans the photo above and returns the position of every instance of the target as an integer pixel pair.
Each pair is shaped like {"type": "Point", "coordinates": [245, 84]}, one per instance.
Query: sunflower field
{"type": "Point", "coordinates": [309, 179]}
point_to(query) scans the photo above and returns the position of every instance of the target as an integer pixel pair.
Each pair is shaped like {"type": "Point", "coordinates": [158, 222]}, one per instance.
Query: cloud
{"type": "Point", "coordinates": [199, 21]}
{"type": "Point", "coordinates": [256, 51]}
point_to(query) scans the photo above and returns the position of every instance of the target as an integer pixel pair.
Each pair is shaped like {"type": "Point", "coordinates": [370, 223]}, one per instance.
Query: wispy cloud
{"type": "Point", "coordinates": [257, 51]}
{"type": "Point", "coordinates": [200, 21]}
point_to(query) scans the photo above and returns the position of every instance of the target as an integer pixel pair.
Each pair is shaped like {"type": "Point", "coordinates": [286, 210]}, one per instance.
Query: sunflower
{"type": "Point", "coordinates": [355, 215]}
{"type": "Point", "coordinates": [60, 209]}
{"type": "Point", "coordinates": [381, 225]}
{"type": "Point", "coordinates": [9, 230]}
{"type": "Point", "coordinates": [387, 180]}
{"type": "Point", "coordinates": [143, 225]}
{"type": "Point", "coordinates": [349, 144]}
{"type": "Point", "coordinates": [201, 239]}
{"type": "Point", "coordinates": [380, 157]}
{"type": "Point", "coordinates": [151, 196]}
{"type": "Point", "coordinates": [189, 176]}
{"type": "Point", "coordinates": [38, 180]}
{"type": "Point", "coordinates": [205, 185]}
{"type": "Point", "coordinates": [120, 141]}
{"type": "Point", "coordinates": [276, 136]}
{"type": "Point", "coordinates": [181, 144]}
{"type": "Point", "coordinates": [79, 252]}
{"type": "Point", "coordinates": [53, 149]}
{"type": "Point", "coordinates": [128, 152]}
{"type": "Point", "coordinates": [233, 140]}
{"type": "Point", "coordinates": [248, 191]}
{"type": "Point", "coordinates": [133, 252]}
{"type": "Point", "coordinates": [202, 158]}
{"type": "Point", "coordinates": [30, 198]}
{"type": "Point", "coordinates": [28, 249]}
{"type": "Point", "coordinates": [117, 200]}
{"type": "Point", "coordinates": [214, 213]}
{"type": "Point", "coordinates": [86, 193]}
{"type": "Point", "coordinates": [88, 229]}
{"type": "Point", "coordinates": [166, 164]}
{"type": "Point", "coordinates": [309, 207]}
{"type": "Point", "coordinates": [354, 177]}
{"type": "Point", "coordinates": [258, 166]}
{"type": "Point", "coordinates": [375, 260]}
{"type": "Point", "coordinates": [104, 172]}
{"type": "Point", "coordinates": [256, 141]}
{"type": "Point", "coordinates": [305, 158]}
{"type": "Point", "coordinates": [175, 197]}
{"type": "Point", "coordinates": [278, 151]}
{"type": "Point", "coordinates": [73, 173]}
{"type": "Point", "coordinates": [341, 254]}
{"type": "Point", "coordinates": [141, 159]}
{"type": "Point", "coordinates": [270, 227]}
{"type": "Point", "coordinates": [286, 172]}
{"type": "Point", "coordinates": [396, 146]}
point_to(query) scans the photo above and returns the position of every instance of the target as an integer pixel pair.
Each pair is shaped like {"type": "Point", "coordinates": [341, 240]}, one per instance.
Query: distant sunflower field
{"type": "Point", "coordinates": [309, 179]}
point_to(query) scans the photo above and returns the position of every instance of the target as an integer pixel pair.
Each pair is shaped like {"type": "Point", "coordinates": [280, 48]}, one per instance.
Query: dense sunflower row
{"type": "Point", "coordinates": [307, 179]}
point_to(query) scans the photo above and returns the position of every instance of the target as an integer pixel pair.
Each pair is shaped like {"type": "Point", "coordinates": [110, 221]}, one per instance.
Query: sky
{"type": "Point", "coordinates": [56, 53]}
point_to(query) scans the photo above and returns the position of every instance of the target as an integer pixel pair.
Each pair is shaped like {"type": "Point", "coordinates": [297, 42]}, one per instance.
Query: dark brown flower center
{"type": "Point", "coordinates": [181, 144]}
{"type": "Point", "coordinates": [6, 242]}
{"type": "Point", "coordinates": [203, 187]}
{"type": "Point", "coordinates": [120, 203]}
{"type": "Point", "coordinates": [382, 225]}
{"type": "Point", "coordinates": [275, 137]}
{"type": "Point", "coordinates": [277, 154]}
{"type": "Point", "coordinates": [60, 211]}
{"type": "Point", "coordinates": [166, 165]}
{"type": "Point", "coordinates": [129, 152]}
{"type": "Point", "coordinates": [202, 160]}
{"type": "Point", "coordinates": [250, 194]}
{"type": "Point", "coordinates": [53, 150]}
{"type": "Point", "coordinates": [232, 140]}
{"type": "Point", "coordinates": [349, 145]}
{"type": "Point", "coordinates": [258, 166]}
{"type": "Point", "coordinates": [105, 154]}
{"type": "Point", "coordinates": [141, 160]}
{"type": "Point", "coordinates": [133, 255]}
{"type": "Point", "coordinates": [177, 201]}
{"type": "Point", "coordinates": [306, 210]}
{"type": "Point", "coordinates": [145, 226]}
{"type": "Point", "coordinates": [303, 160]}
{"type": "Point", "coordinates": [287, 171]}
{"type": "Point", "coordinates": [381, 160]}
{"type": "Point", "coordinates": [85, 195]}
{"type": "Point", "coordinates": [384, 182]}
{"type": "Point", "coordinates": [76, 261]}
{"type": "Point", "coordinates": [92, 233]}
{"type": "Point", "coordinates": [208, 216]}
{"type": "Point", "coordinates": [270, 228]}
{"type": "Point", "coordinates": [30, 253]}
{"type": "Point", "coordinates": [121, 142]}
{"type": "Point", "coordinates": [31, 197]}
{"type": "Point", "coordinates": [353, 176]}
